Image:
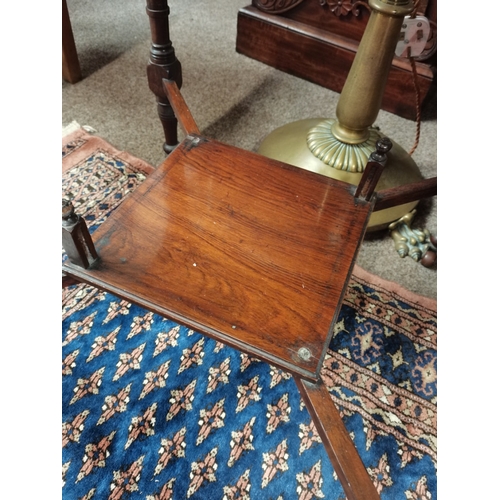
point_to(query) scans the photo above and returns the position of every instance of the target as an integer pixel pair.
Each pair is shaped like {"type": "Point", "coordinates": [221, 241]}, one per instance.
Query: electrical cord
{"type": "Point", "coordinates": [417, 89]}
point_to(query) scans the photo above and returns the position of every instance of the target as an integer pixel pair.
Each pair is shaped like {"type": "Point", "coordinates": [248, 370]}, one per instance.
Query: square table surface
{"type": "Point", "coordinates": [250, 251]}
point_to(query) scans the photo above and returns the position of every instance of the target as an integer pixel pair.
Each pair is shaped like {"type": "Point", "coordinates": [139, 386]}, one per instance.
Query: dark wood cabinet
{"type": "Point", "coordinates": [318, 39]}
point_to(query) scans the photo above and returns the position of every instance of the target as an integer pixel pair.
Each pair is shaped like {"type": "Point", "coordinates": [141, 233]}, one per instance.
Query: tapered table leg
{"type": "Point", "coordinates": [339, 446]}
{"type": "Point", "coordinates": [71, 71]}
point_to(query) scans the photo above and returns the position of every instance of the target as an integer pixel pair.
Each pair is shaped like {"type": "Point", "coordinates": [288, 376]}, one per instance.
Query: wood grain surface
{"type": "Point", "coordinates": [247, 250]}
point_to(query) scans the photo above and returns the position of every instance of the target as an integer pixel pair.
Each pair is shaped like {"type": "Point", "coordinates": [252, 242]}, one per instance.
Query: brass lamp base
{"type": "Point", "coordinates": [289, 144]}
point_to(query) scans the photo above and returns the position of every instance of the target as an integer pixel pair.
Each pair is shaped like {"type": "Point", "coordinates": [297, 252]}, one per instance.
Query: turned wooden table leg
{"type": "Point", "coordinates": [345, 459]}
{"type": "Point", "coordinates": [163, 65]}
{"type": "Point", "coordinates": [76, 238]}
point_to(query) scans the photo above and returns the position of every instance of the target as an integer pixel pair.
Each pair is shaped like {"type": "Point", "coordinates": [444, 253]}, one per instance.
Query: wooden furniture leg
{"type": "Point", "coordinates": [70, 64]}
{"type": "Point", "coordinates": [163, 65]}
{"type": "Point", "coordinates": [76, 238]}
{"type": "Point", "coordinates": [336, 440]}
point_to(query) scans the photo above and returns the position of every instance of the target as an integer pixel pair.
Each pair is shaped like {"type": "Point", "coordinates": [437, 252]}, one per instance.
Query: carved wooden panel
{"type": "Point", "coordinates": [276, 6]}
{"type": "Point", "coordinates": [346, 18]}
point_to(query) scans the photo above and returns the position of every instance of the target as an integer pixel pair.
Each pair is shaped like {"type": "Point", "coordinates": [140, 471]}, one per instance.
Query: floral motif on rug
{"type": "Point", "coordinates": [153, 410]}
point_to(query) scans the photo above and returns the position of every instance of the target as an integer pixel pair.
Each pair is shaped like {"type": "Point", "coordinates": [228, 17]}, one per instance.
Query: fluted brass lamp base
{"type": "Point", "coordinates": [340, 148]}
{"type": "Point", "coordinates": [289, 144]}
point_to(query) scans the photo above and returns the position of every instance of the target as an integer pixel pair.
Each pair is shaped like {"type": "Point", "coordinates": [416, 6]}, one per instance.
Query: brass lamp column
{"type": "Point", "coordinates": [340, 148]}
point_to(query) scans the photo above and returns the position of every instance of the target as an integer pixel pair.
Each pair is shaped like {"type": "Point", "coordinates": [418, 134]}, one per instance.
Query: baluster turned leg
{"type": "Point", "coordinates": [163, 65]}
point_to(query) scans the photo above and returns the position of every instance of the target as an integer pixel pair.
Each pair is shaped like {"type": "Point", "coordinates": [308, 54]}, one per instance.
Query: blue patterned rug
{"type": "Point", "coordinates": [152, 410]}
